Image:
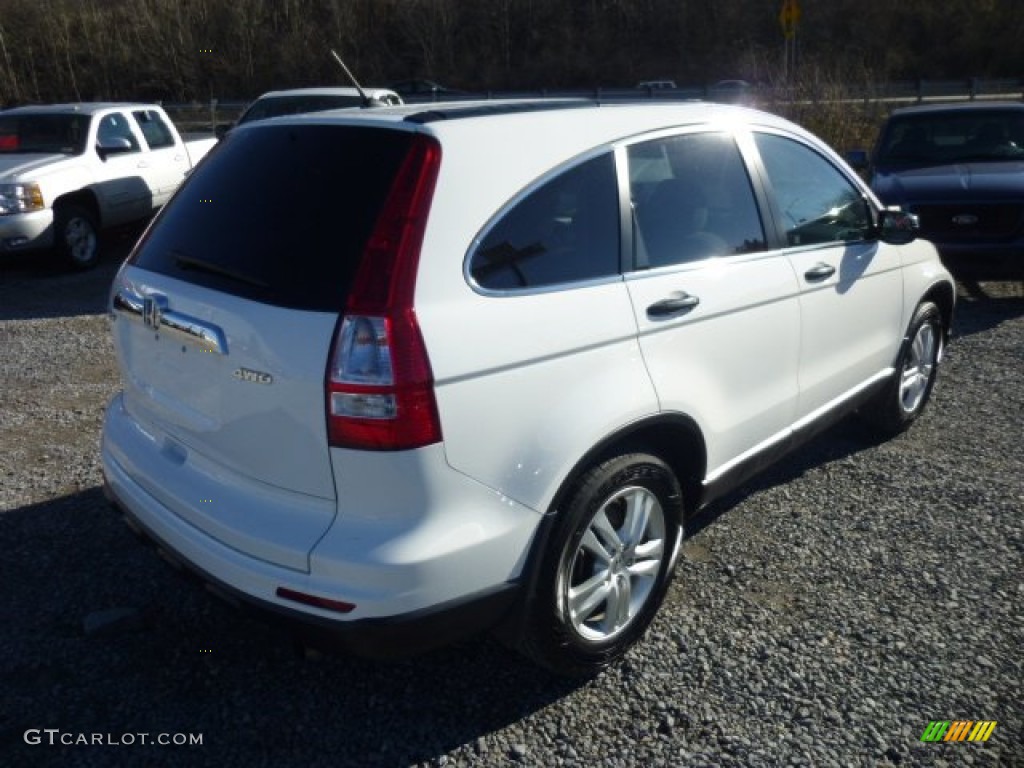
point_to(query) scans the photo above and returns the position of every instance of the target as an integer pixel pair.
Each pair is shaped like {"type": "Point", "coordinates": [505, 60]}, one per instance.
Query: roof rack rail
{"type": "Point", "coordinates": [477, 109]}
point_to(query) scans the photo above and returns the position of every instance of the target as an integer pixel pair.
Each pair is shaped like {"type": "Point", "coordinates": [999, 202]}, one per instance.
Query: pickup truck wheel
{"type": "Point", "coordinates": [607, 566]}
{"type": "Point", "coordinates": [905, 395]}
{"type": "Point", "coordinates": [77, 236]}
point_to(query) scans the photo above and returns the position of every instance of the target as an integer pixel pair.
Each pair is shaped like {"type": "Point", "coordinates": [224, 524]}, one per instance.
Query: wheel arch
{"type": "Point", "coordinates": [674, 438]}
{"type": "Point", "coordinates": [943, 295]}
{"type": "Point", "coordinates": [85, 198]}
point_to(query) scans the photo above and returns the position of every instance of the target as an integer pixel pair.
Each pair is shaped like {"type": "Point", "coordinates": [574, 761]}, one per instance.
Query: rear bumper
{"type": "Point", "coordinates": [377, 638]}
{"type": "Point", "coordinates": [421, 554]}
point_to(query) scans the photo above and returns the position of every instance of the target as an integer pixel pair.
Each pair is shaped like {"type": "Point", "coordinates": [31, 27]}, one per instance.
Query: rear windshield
{"type": "Point", "coordinates": [276, 106]}
{"type": "Point", "coordinates": [50, 134]}
{"type": "Point", "coordinates": [278, 214]}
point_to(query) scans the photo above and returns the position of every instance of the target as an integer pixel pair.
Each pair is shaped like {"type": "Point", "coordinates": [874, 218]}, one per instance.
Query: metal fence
{"type": "Point", "coordinates": [203, 117]}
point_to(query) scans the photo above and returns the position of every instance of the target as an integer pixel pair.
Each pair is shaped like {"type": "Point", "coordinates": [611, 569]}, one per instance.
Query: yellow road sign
{"type": "Point", "coordinates": [789, 17]}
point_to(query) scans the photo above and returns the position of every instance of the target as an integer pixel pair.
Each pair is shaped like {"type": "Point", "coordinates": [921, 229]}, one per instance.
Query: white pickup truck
{"type": "Point", "coordinates": [69, 171]}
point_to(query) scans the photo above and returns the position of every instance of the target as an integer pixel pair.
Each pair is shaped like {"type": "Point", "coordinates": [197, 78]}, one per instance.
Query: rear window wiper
{"type": "Point", "coordinates": [191, 262]}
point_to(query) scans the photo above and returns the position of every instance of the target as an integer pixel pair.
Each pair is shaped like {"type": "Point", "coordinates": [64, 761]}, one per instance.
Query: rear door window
{"type": "Point", "coordinates": [564, 231]}
{"type": "Point", "coordinates": [156, 132]}
{"type": "Point", "coordinates": [278, 213]}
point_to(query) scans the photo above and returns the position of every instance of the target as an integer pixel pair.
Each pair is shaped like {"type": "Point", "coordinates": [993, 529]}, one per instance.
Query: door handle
{"type": "Point", "coordinates": [819, 271]}
{"type": "Point", "coordinates": [677, 305]}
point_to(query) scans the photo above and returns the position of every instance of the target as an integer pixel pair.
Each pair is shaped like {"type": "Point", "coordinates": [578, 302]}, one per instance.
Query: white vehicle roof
{"type": "Point", "coordinates": [373, 93]}
{"type": "Point", "coordinates": [79, 108]}
{"type": "Point", "coordinates": [274, 104]}
{"type": "Point", "coordinates": [553, 124]}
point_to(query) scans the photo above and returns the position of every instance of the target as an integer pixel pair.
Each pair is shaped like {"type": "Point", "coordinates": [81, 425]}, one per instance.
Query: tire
{"type": "Point", "coordinates": [606, 566]}
{"type": "Point", "coordinates": [77, 236]}
{"type": "Point", "coordinates": [904, 397]}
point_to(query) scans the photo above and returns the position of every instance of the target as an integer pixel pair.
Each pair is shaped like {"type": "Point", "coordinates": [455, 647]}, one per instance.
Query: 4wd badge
{"type": "Point", "coordinates": [253, 377]}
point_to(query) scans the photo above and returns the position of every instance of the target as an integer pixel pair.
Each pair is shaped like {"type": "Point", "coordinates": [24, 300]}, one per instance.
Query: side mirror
{"type": "Point", "coordinates": [897, 227]}
{"type": "Point", "coordinates": [221, 130]}
{"type": "Point", "coordinates": [113, 146]}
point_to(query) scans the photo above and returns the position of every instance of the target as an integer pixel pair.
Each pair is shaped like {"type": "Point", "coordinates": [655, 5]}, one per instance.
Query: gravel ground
{"type": "Point", "coordinates": [822, 616]}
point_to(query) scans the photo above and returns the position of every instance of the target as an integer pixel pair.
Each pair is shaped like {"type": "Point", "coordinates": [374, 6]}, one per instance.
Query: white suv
{"type": "Point", "coordinates": [406, 374]}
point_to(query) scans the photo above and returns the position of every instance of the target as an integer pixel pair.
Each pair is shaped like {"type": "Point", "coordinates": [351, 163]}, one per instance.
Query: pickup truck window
{"type": "Point", "coordinates": [116, 126]}
{"type": "Point", "coordinates": [154, 129]}
{"type": "Point", "coordinates": [43, 134]}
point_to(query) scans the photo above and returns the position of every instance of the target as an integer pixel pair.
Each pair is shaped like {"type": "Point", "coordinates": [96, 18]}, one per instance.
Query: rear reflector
{"type": "Point", "coordinates": [327, 604]}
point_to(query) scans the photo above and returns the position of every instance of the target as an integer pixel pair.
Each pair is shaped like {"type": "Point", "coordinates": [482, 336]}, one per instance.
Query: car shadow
{"type": "Point", "coordinates": [980, 307]}
{"type": "Point", "coordinates": [188, 663]}
{"type": "Point", "coordinates": [39, 285]}
{"type": "Point", "coordinates": [984, 305]}
{"type": "Point", "coordinates": [845, 438]}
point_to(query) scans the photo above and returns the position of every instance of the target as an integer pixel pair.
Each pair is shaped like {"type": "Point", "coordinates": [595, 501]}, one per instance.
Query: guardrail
{"type": "Point", "coordinates": [204, 116]}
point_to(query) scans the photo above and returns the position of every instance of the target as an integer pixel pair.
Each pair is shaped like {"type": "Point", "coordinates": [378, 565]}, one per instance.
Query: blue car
{"type": "Point", "coordinates": [960, 169]}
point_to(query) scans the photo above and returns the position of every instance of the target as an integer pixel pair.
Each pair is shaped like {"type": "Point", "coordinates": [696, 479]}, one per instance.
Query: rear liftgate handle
{"type": "Point", "coordinates": [152, 311]}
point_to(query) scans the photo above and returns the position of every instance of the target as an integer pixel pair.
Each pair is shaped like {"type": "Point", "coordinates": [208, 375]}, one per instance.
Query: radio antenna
{"type": "Point", "coordinates": [367, 102]}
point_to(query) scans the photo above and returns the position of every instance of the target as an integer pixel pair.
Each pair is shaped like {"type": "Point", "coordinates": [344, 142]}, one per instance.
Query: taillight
{"type": "Point", "coordinates": [380, 389]}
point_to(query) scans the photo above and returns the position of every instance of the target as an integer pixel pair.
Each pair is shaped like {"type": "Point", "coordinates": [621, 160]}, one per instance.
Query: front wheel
{"type": "Point", "coordinates": [607, 566]}
{"type": "Point", "coordinates": [898, 405]}
{"type": "Point", "coordinates": [78, 238]}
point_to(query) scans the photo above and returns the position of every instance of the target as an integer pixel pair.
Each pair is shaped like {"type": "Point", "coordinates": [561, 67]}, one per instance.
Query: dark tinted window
{"type": "Point", "coordinates": [564, 231]}
{"type": "Point", "coordinates": [692, 199]}
{"type": "Point", "coordinates": [954, 136]}
{"type": "Point", "coordinates": [279, 214]}
{"type": "Point", "coordinates": [64, 134]}
{"type": "Point", "coordinates": [276, 106]}
{"type": "Point", "coordinates": [818, 203]}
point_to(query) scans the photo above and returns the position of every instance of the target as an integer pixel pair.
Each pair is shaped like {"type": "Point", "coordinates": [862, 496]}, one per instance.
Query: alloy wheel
{"type": "Point", "coordinates": [616, 564]}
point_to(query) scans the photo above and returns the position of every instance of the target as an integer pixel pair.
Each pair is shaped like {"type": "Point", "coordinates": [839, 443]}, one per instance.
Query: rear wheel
{"type": "Point", "coordinates": [77, 236]}
{"type": "Point", "coordinates": [607, 566]}
{"type": "Point", "coordinates": [898, 405]}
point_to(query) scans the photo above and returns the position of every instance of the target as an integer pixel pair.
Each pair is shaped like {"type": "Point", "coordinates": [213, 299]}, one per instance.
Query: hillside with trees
{"type": "Point", "coordinates": [182, 50]}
